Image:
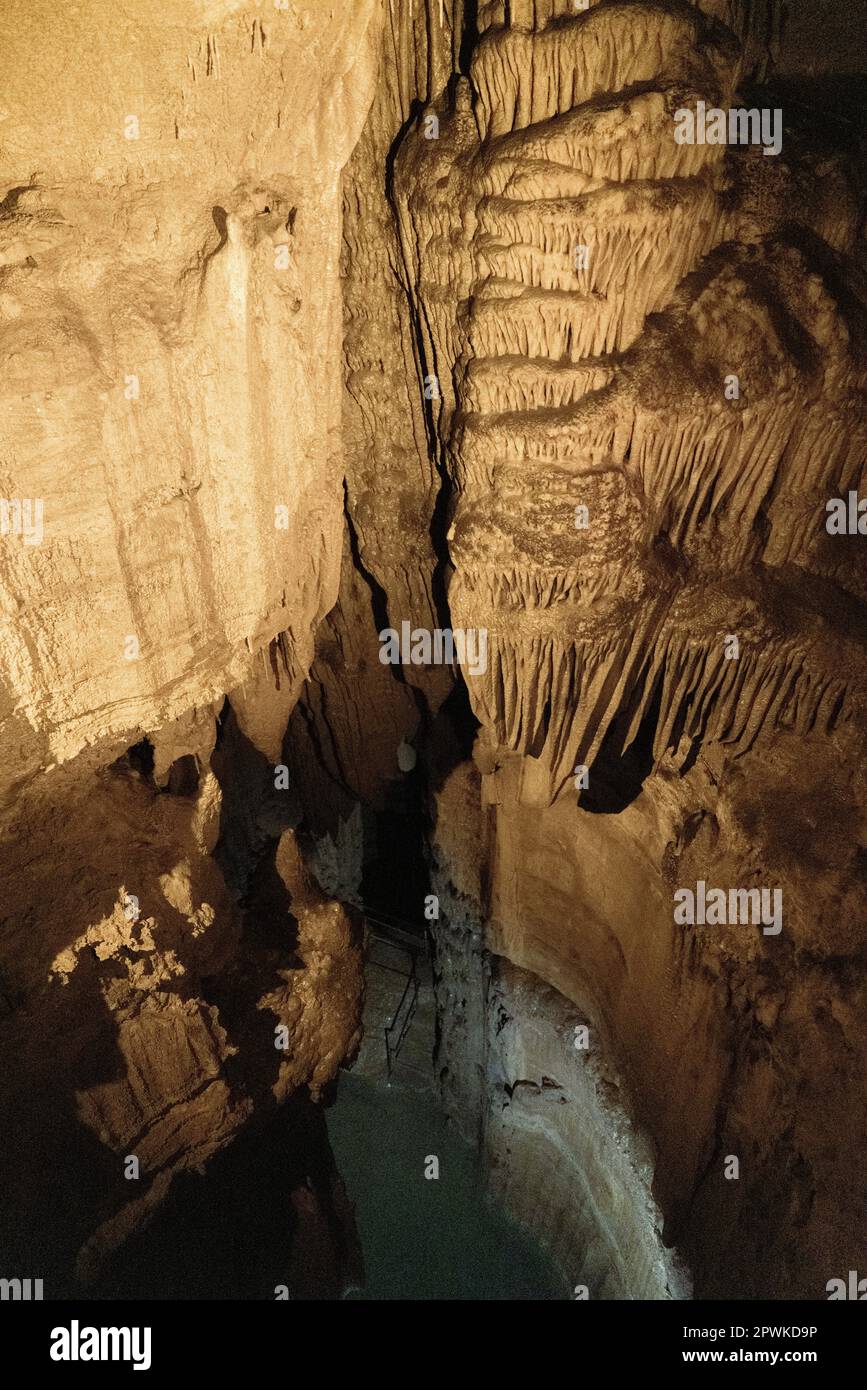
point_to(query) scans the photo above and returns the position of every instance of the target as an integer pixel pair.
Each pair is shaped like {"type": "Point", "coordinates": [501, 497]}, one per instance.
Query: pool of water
{"type": "Point", "coordinates": [425, 1237]}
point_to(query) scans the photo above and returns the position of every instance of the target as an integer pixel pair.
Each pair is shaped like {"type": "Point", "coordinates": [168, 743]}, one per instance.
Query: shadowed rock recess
{"type": "Point", "coordinates": [322, 322]}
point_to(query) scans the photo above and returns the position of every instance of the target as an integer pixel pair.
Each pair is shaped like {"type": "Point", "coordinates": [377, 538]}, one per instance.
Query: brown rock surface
{"type": "Point", "coordinates": [169, 236]}
{"type": "Point", "coordinates": [605, 387]}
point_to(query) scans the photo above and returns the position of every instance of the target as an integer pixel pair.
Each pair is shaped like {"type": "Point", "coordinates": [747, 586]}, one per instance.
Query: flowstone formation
{"type": "Point", "coordinates": [627, 493]}
{"type": "Point", "coordinates": [649, 357]}
{"type": "Point", "coordinates": [641, 362]}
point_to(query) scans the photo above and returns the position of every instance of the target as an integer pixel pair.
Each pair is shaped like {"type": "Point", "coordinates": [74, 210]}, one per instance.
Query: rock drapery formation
{"type": "Point", "coordinates": [317, 320]}
{"type": "Point", "coordinates": [642, 365]}
{"type": "Point", "coordinates": [569, 146]}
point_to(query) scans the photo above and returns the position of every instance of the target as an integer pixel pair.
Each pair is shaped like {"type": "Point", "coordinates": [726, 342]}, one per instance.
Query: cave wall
{"type": "Point", "coordinates": [609, 643]}
{"type": "Point", "coordinates": [170, 330]}
{"type": "Point", "coordinates": [171, 294]}
{"type": "Point", "coordinates": [715, 1041]}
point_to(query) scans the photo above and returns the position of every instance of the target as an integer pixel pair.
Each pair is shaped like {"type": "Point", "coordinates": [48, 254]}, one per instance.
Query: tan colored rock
{"type": "Point", "coordinates": [170, 411]}
{"type": "Point", "coordinates": [604, 385]}
{"type": "Point", "coordinates": [170, 234]}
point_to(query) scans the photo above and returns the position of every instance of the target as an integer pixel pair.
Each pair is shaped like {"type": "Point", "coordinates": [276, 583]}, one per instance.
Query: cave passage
{"type": "Point", "coordinates": [425, 1227]}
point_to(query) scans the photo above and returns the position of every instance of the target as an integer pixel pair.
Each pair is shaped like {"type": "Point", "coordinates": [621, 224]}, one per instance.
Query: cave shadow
{"type": "Point", "coordinates": [59, 1179]}
{"type": "Point", "coordinates": [396, 879]}
{"type": "Point", "coordinates": [270, 1213]}
{"type": "Point", "coordinates": [617, 774]}
{"type": "Point", "coordinates": [253, 812]}
{"type": "Point", "coordinates": [822, 258]}
{"type": "Point", "coordinates": [825, 107]}
{"type": "Point", "coordinates": [253, 815]}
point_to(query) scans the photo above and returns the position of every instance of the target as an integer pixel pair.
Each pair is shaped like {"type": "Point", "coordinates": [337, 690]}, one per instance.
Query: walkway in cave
{"type": "Point", "coordinates": [399, 1001]}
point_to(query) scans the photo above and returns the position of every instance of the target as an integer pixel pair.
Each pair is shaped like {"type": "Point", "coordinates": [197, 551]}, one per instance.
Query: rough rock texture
{"type": "Point", "coordinates": [604, 386]}
{"type": "Point", "coordinates": [171, 365]}
{"type": "Point", "coordinates": [706, 518]}
{"type": "Point", "coordinates": [703, 512]}
{"type": "Point", "coordinates": [720, 1041]}
{"type": "Point", "coordinates": [140, 998]}
{"type": "Point", "coordinates": [561, 1149]}
{"type": "Point", "coordinates": [170, 336]}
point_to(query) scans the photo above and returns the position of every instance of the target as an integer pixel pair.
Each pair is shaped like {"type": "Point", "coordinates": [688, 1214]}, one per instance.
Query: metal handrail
{"type": "Point", "coordinates": [412, 945]}
{"type": "Point", "coordinates": [394, 934]}
{"type": "Point", "coordinates": [412, 985]}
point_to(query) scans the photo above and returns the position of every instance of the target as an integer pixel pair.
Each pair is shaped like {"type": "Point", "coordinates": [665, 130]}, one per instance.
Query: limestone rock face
{"type": "Point", "coordinates": [172, 504]}
{"type": "Point", "coordinates": [150, 1012]}
{"type": "Point", "coordinates": [642, 364]}
{"type": "Point", "coordinates": [640, 449]}
{"type": "Point", "coordinates": [169, 242]}
{"type": "Point", "coordinates": [562, 1150]}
